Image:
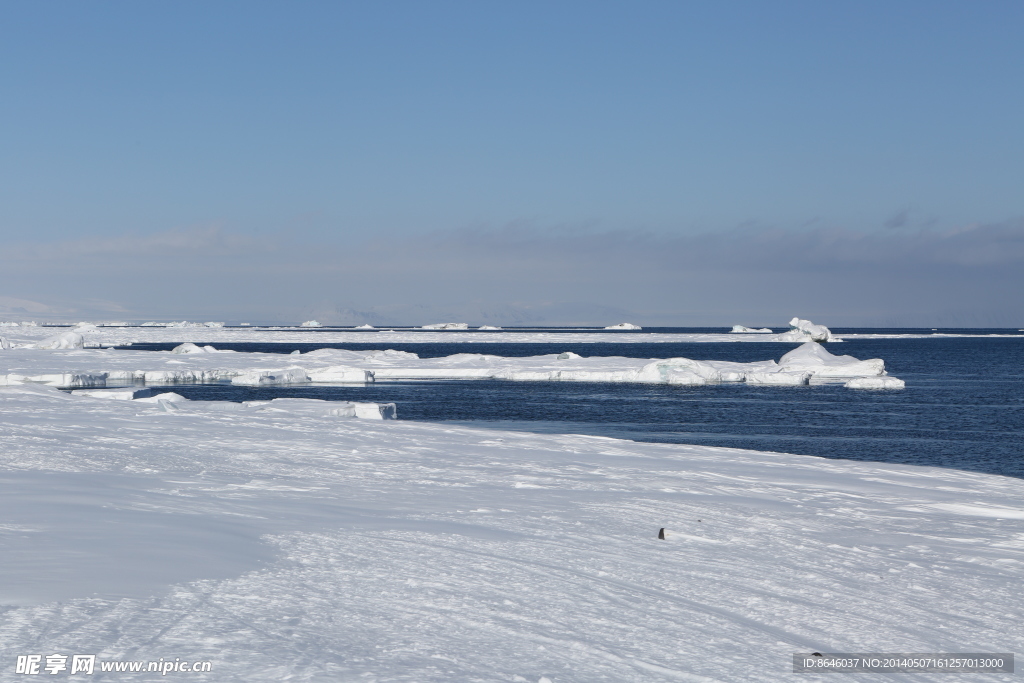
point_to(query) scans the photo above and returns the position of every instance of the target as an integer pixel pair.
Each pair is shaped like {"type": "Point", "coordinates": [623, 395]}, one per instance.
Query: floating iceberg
{"type": "Point", "coordinates": [446, 326]}
{"type": "Point", "coordinates": [875, 383]}
{"type": "Point", "coordinates": [488, 327]}
{"type": "Point", "coordinates": [365, 327]}
{"type": "Point", "coordinates": [191, 363]}
{"type": "Point", "coordinates": [805, 330]}
{"type": "Point", "coordinates": [740, 329]}
{"type": "Point", "coordinates": [813, 358]}
{"type": "Point", "coordinates": [311, 323]}
{"type": "Point", "coordinates": [624, 326]}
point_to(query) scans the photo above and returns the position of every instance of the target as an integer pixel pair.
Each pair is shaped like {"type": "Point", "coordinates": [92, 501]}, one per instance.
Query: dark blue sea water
{"type": "Point", "coordinates": [963, 406]}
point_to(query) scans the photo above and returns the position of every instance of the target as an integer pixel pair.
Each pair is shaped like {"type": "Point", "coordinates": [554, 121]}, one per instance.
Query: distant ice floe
{"type": "Point", "coordinates": [446, 326]}
{"type": "Point", "coordinates": [740, 329]}
{"type": "Point", "coordinates": [488, 327]}
{"type": "Point", "coordinates": [190, 363]}
{"type": "Point", "coordinates": [311, 323]}
{"type": "Point", "coordinates": [364, 327]}
{"type": "Point", "coordinates": [182, 323]}
{"type": "Point", "coordinates": [805, 330]}
{"type": "Point", "coordinates": [624, 326]}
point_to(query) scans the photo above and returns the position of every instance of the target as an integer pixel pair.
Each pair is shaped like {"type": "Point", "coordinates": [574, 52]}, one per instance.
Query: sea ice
{"type": "Point", "coordinates": [446, 326]}
{"type": "Point", "coordinates": [310, 323]}
{"type": "Point", "coordinates": [624, 326]}
{"type": "Point", "coordinates": [190, 363]}
{"type": "Point", "coordinates": [812, 357]}
{"type": "Point", "coordinates": [283, 543]}
{"type": "Point", "coordinates": [292, 375]}
{"type": "Point", "coordinates": [740, 329]}
{"type": "Point", "coordinates": [805, 330]}
{"type": "Point", "coordinates": [65, 340]}
{"type": "Point", "coordinates": [875, 383]}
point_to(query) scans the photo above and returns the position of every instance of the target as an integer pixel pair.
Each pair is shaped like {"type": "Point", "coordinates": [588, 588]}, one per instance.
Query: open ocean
{"type": "Point", "coordinates": [963, 406]}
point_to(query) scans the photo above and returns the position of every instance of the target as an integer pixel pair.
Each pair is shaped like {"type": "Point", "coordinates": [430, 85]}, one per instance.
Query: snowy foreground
{"type": "Point", "coordinates": [190, 363]}
{"type": "Point", "coordinates": [286, 545]}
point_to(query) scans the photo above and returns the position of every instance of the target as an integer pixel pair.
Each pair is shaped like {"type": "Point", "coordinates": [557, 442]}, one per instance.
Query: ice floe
{"type": "Point", "coordinates": [189, 363]}
{"type": "Point", "coordinates": [740, 329]}
{"type": "Point", "coordinates": [875, 383]}
{"type": "Point", "coordinates": [446, 326]}
{"type": "Point", "coordinates": [624, 326]}
{"type": "Point", "coordinates": [310, 323]}
{"type": "Point", "coordinates": [805, 330]}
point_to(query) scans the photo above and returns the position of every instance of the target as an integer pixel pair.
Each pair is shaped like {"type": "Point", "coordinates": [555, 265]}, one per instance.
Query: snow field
{"type": "Point", "coordinates": [291, 546]}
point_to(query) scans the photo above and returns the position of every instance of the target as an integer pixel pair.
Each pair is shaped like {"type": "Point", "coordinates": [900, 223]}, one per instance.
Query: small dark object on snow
{"type": "Point", "coordinates": [661, 533]}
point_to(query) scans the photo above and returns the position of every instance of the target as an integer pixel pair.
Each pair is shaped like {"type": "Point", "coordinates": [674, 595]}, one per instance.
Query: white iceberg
{"type": "Point", "coordinates": [805, 330]}
{"type": "Point", "coordinates": [624, 326]}
{"type": "Point", "coordinates": [66, 340]}
{"type": "Point", "coordinates": [875, 383]}
{"type": "Point", "coordinates": [311, 323]}
{"type": "Point", "coordinates": [812, 357]}
{"type": "Point", "coordinates": [488, 327]}
{"type": "Point", "coordinates": [446, 326]}
{"type": "Point", "coordinates": [740, 329]}
{"type": "Point", "coordinates": [365, 327]}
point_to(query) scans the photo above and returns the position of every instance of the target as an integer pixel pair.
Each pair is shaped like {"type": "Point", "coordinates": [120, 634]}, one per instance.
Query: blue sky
{"type": "Point", "coordinates": [298, 129]}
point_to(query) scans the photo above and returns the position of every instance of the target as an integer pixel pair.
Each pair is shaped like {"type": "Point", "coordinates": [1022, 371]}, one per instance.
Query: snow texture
{"type": "Point", "coordinates": [285, 544]}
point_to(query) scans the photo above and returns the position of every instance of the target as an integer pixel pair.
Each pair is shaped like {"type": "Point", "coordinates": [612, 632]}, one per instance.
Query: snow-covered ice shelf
{"type": "Point", "coordinates": [190, 363]}
{"type": "Point", "coordinates": [282, 545]}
